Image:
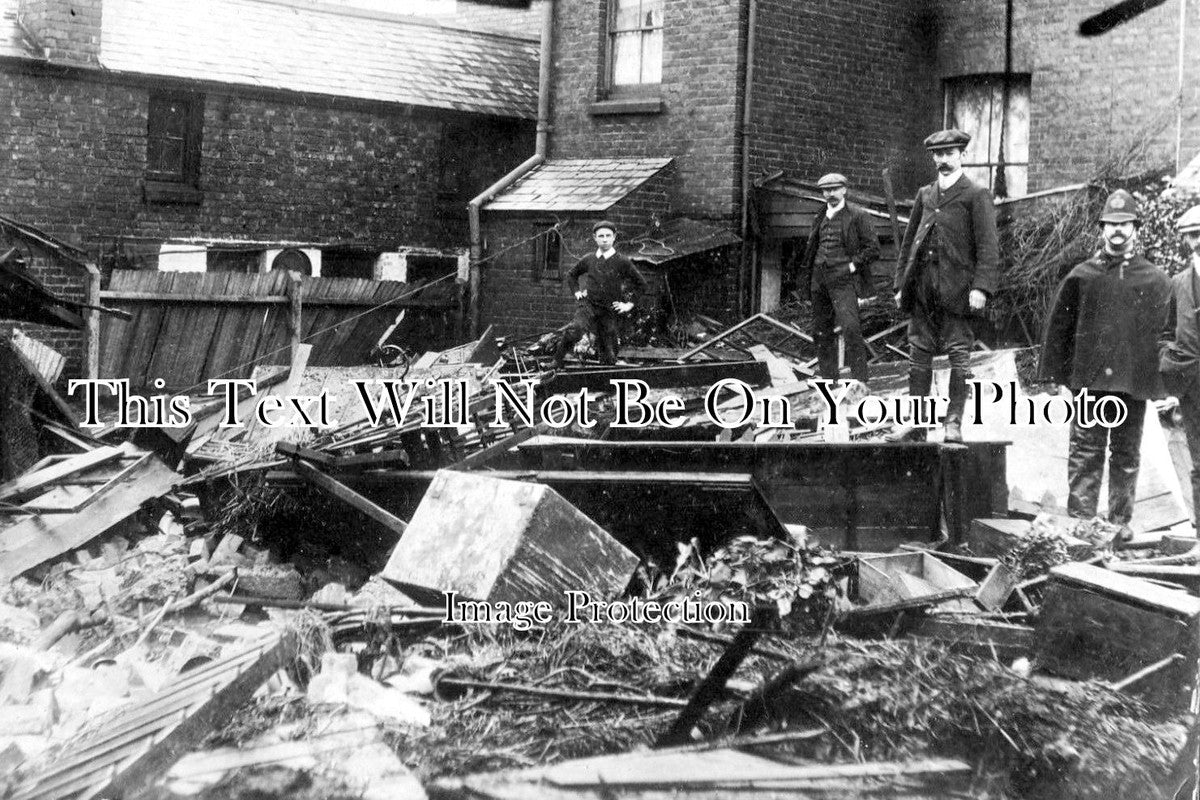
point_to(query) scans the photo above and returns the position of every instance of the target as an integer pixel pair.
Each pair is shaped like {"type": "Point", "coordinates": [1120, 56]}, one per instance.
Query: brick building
{"type": "Point", "coordinates": [210, 136]}
{"type": "Point", "coordinates": [736, 92]}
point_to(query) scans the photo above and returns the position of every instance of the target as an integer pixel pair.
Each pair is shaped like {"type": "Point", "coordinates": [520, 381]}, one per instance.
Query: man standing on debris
{"type": "Point", "coordinates": [600, 281]}
{"type": "Point", "coordinates": [836, 269]}
{"type": "Point", "coordinates": [1179, 360]}
{"type": "Point", "coordinates": [949, 265]}
{"type": "Point", "coordinates": [1102, 335]}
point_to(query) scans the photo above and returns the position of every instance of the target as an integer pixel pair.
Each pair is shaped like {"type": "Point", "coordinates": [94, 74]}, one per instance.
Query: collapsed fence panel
{"type": "Point", "coordinates": [189, 327]}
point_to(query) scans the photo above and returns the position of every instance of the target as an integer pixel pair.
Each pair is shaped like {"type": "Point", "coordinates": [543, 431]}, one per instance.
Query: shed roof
{"type": "Point", "coordinates": [580, 184]}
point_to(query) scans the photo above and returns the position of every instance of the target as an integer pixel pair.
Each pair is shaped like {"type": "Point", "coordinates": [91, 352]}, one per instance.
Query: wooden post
{"type": "Point", "coordinates": [91, 329]}
{"type": "Point", "coordinates": [892, 214]}
{"type": "Point", "coordinates": [295, 293]}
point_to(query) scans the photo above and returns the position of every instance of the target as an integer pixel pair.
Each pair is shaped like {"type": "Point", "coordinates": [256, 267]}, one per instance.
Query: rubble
{"type": "Point", "coordinates": [218, 612]}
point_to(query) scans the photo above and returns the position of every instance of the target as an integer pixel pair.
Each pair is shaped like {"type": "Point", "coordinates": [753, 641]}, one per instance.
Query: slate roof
{"type": "Point", "coordinates": [303, 46]}
{"type": "Point", "coordinates": [586, 184]}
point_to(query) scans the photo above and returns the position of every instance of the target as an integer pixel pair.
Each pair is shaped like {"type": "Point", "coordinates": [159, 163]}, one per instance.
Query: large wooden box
{"type": "Point", "coordinates": [499, 540]}
{"type": "Point", "coordinates": [1099, 624]}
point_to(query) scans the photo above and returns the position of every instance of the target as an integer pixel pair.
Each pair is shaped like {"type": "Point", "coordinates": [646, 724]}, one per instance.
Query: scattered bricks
{"type": "Point", "coordinates": [275, 581]}
{"type": "Point", "coordinates": [113, 549]}
{"type": "Point", "coordinates": [32, 719]}
{"type": "Point", "coordinates": [226, 552]}
{"type": "Point", "coordinates": [21, 668]}
{"type": "Point", "coordinates": [198, 554]}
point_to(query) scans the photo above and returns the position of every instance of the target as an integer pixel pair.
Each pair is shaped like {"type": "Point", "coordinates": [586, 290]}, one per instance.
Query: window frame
{"type": "Point", "coordinates": [542, 268]}
{"type": "Point", "coordinates": [991, 80]}
{"type": "Point", "coordinates": [611, 89]}
{"type": "Point", "coordinates": [182, 185]}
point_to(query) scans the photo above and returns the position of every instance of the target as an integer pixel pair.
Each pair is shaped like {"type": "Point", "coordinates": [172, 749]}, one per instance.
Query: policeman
{"type": "Point", "coordinates": [1102, 335]}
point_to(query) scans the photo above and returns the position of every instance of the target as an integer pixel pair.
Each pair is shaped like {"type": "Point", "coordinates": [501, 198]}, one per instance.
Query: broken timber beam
{"type": "Point", "coordinates": [660, 376]}
{"type": "Point", "coordinates": [332, 486]}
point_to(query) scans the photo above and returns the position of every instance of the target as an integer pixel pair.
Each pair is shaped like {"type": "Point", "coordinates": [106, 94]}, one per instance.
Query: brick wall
{"type": "Point", "coordinates": [520, 305]}
{"type": "Point", "coordinates": [526, 22]}
{"type": "Point", "coordinates": [843, 86]}
{"type": "Point", "coordinates": [69, 31]}
{"type": "Point", "coordinates": [1088, 97]}
{"type": "Point", "coordinates": [701, 47]}
{"type": "Point", "coordinates": [273, 167]}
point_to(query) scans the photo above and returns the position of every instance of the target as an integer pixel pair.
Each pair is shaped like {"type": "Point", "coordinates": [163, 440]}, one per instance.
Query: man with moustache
{"type": "Point", "coordinates": [836, 267]}
{"type": "Point", "coordinates": [1102, 334]}
{"type": "Point", "coordinates": [1179, 360]}
{"type": "Point", "coordinates": [949, 266]}
{"type": "Point", "coordinates": [599, 282]}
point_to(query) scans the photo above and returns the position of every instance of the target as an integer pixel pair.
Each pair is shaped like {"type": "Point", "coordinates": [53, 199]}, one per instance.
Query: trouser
{"type": "Point", "coordinates": [1085, 463]}
{"type": "Point", "coordinates": [590, 319]}
{"type": "Point", "coordinates": [834, 300]}
{"type": "Point", "coordinates": [1189, 409]}
{"type": "Point", "coordinates": [931, 329]}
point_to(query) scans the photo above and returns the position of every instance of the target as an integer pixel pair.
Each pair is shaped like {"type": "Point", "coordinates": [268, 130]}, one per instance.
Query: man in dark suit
{"type": "Point", "coordinates": [1179, 360]}
{"type": "Point", "coordinates": [600, 281]}
{"type": "Point", "coordinates": [836, 267]}
{"type": "Point", "coordinates": [949, 266]}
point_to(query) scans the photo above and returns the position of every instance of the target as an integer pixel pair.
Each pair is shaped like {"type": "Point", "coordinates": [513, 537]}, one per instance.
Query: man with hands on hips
{"type": "Point", "coordinates": [600, 281]}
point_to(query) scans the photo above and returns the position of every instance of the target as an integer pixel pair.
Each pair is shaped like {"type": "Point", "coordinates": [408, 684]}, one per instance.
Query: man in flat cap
{"type": "Point", "coordinates": [600, 281]}
{"type": "Point", "coordinates": [1179, 360]}
{"type": "Point", "coordinates": [949, 265]}
{"type": "Point", "coordinates": [1102, 334]}
{"type": "Point", "coordinates": [836, 267]}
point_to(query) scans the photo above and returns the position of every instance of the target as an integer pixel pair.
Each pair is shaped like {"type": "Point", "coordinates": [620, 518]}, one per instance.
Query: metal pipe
{"type": "Point", "coordinates": [1179, 100]}
{"type": "Point", "coordinates": [541, 143]}
{"type": "Point", "coordinates": [747, 285]}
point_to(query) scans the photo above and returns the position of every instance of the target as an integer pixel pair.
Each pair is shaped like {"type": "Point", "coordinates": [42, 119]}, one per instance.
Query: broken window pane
{"type": "Point", "coordinates": [976, 104]}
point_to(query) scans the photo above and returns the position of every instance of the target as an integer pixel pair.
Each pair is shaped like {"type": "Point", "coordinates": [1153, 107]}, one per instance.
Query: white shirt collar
{"type": "Point", "coordinates": [831, 210]}
{"type": "Point", "coordinates": [946, 181]}
{"type": "Point", "coordinates": [606, 254]}
{"type": "Point", "coordinates": [1196, 263]}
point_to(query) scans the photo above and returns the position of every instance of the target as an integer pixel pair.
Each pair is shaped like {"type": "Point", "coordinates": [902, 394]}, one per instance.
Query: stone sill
{"type": "Point", "coordinates": [633, 105]}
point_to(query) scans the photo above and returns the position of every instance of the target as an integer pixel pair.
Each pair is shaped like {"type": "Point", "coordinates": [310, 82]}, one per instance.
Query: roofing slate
{"type": "Point", "coordinates": [580, 184]}
{"type": "Point", "coordinates": [304, 46]}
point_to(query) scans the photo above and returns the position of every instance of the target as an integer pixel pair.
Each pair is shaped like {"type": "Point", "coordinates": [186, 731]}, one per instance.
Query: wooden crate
{"type": "Point", "coordinates": [898, 577]}
{"type": "Point", "coordinates": [499, 540]}
{"type": "Point", "coordinates": [1099, 624]}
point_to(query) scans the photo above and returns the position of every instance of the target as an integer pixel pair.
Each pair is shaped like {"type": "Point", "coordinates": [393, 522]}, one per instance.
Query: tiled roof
{"type": "Point", "coordinates": [304, 46]}
{"type": "Point", "coordinates": [588, 184]}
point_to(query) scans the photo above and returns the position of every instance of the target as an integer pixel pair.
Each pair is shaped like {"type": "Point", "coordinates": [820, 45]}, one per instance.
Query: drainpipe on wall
{"type": "Point", "coordinates": [748, 285]}
{"type": "Point", "coordinates": [474, 208]}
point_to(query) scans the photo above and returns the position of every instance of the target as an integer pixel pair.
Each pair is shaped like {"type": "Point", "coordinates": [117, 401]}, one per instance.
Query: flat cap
{"type": "Point", "coordinates": [604, 224]}
{"type": "Point", "coordinates": [943, 140]}
{"type": "Point", "coordinates": [1120, 207]}
{"type": "Point", "coordinates": [1190, 221]}
{"type": "Point", "coordinates": [831, 181]}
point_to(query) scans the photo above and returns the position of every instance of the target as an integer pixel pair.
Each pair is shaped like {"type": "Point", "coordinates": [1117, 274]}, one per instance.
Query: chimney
{"type": "Point", "coordinates": [63, 31]}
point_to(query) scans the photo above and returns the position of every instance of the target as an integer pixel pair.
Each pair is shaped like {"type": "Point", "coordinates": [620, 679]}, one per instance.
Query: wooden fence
{"type": "Point", "coordinates": [190, 327]}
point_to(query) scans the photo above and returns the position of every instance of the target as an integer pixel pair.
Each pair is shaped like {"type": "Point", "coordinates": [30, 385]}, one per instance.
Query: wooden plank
{"type": "Point", "coordinates": [33, 481]}
{"type": "Point", "coordinates": [73, 503]}
{"type": "Point", "coordinates": [1128, 589]}
{"type": "Point", "coordinates": [34, 540]}
{"type": "Point", "coordinates": [350, 497]}
{"type": "Point", "coordinates": [125, 762]}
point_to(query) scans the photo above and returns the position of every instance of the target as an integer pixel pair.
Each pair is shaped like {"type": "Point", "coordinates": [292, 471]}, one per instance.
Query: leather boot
{"type": "Point", "coordinates": [919, 381]}
{"type": "Point", "coordinates": [958, 402]}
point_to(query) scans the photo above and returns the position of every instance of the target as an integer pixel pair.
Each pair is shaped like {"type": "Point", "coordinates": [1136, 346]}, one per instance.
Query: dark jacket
{"type": "Point", "coordinates": [1103, 330]}
{"type": "Point", "coordinates": [859, 241]}
{"type": "Point", "coordinates": [606, 279]}
{"type": "Point", "coordinates": [967, 244]}
{"type": "Point", "coordinates": [1179, 358]}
